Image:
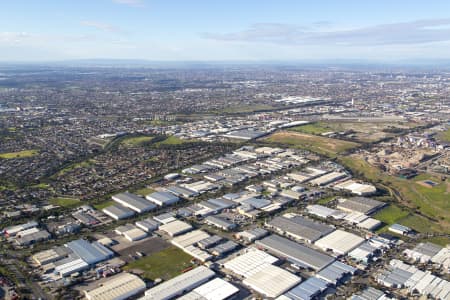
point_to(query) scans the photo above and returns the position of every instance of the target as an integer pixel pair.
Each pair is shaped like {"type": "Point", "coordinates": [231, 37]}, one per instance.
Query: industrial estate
{"type": "Point", "coordinates": [273, 191]}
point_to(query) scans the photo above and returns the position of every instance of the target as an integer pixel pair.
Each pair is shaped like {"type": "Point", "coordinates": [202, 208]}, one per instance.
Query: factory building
{"type": "Point", "coordinates": [118, 212]}
{"type": "Point", "coordinates": [340, 242]}
{"type": "Point", "coordinates": [175, 228]}
{"type": "Point", "coordinates": [271, 281]}
{"type": "Point", "coordinates": [295, 253]}
{"type": "Point", "coordinates": [299, 228]}
{"type": "Point", "coordinates": [162, 198]}
{"type": "Point", "coordinates": [216, 289]}
{"type": "Point", "coordinates": [179, 285]}
{"type": "Point", "coordinates": [134, 202]}
{"type": "Point", "coordinates": [362, 205]}
{"type": "Point", "coordinates": [118, 287]}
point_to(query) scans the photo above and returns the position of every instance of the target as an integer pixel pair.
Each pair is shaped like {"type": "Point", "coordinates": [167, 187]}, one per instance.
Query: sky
{"type": "Point", "coordinates": [226, 30]}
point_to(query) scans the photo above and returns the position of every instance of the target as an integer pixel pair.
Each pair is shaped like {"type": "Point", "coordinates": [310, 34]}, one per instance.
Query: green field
{"type": "Point", "coordinates": [136, 141]}
{"type": "Point", "coordinates": [444, 135]}
{"type": "Point", "coordinates": [144, 191]}
{"type": "Point", "coordinates": [326, 200]}
{"type": "Point", "coordinates": [165, 264]}
{"type": "Point", "coordinates": [172, 140]}
{"type": "Point", "coordinates": [73, 166]}
{"type": "Point", "coordinates": [391, 214]}
{"type": "Point", "coordinates": [313, 128]}
{"type": "Point", "coordinates": [102, 205]}
{"type": "Point", "coordinates": [322, 145]}
{"type": "Point", "coordinates": [19, 154]}
{"type": "Point", "coordinates": [65, 202]}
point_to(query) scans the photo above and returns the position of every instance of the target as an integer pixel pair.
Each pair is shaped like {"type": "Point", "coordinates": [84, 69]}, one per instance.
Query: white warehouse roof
{"type": "Point", "coordinates": [176, 227]}
{"type": "Point", "coordinates": [250, 263]}
{"type": "Point", "coordinates": [216, 289]}
{"type": "Point", "coordinates": [340, 242]}
{"type": "Point", "coordinates": [272, 281]}
{"type": "Point", "coordinates": [119, 287]}
{"type": "Point", "coordinates": [180, 284]}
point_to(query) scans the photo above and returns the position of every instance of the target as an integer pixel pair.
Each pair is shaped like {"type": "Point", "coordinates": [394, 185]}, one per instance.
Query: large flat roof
{"type": "Point", "coordinates": [134, 202]}
{"type": "Point", "coordinates": [340, 242]}
{"type": "Point", "coordinates": [272, 281]}
{"type": "Point", "coordinates": [117, 287]}
{"type": "Point", "coordinates": [180, 284]}
{"type": "Point", "coordinates": [295, 252]}
{"type": "Point", "coordinates": [90, 252]}
{"type": "Point", "coordinates": [301, 227]}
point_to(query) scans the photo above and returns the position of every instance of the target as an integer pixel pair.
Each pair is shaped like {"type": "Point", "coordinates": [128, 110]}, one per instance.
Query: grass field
{"type": "Point", "coordinates": [144, 191]}
{"type": "Point", "coordinates": [313, 128]}
{"type": "Point", "coordinates": [137, 140]}
{"type": "Point", "coordinates": [326, 200]}
{"type": "Point", "coordinates": [65, 202]}
{"type": "Point", "coordinates": [19, 154]}
{"type": "Point", "coordinates": [431, 202]}
{"type": "Point", "coordinates": [165, 264]}
{"type": "Point", "coordinates": [70, 167]}
{"type": "Point", "coordinates": [102, 205]}
{"type": "Point", "coordinates": [444, 135]}
{"type": "Point", "coordinates": [172, 140]}
{"type": "Point", "coordinates": [391, 214]}
{"type": "Point", "coordinates": [322, 145]}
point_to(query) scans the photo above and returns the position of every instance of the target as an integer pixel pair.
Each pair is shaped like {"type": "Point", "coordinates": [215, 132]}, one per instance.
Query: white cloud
{"type": "Point", "coordinates": [406, 33]}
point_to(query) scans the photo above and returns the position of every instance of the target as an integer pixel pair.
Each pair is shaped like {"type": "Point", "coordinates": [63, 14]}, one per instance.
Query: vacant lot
{"type": "Point", "coordinates": [137, 140]}
{"type": "Point", "coordinates": [362, 131]}
{"type": "Point", "coordinates": [19, 154]}
{"type": "Point", "coordinates": [65, 202]}
{"type": "Point", "coordinates": [171, 140]}
{"type": "Point", "coordinates": [165, 264]}
{"type": "Point", "coordinates": [144, 191]}
{"type": "Point", "coordinates": [444, 135]}
{"type": "Point", "coordinates": [319, 144]}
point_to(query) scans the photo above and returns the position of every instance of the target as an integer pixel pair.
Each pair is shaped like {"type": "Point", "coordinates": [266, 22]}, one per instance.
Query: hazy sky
{"type": "Point", "coordinates": [224, 30]}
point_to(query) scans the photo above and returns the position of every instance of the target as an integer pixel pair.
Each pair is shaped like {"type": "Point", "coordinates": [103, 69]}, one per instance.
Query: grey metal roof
{"type": "Point", "coordinates": [220, 221]}
{"type": "Point", "coordinates": [119, 210]}
{"type": "Point", "coordinates": [295, 252]}
{"type": "Point", "coordinates": [134, 202]}
{"type": "Point", "coordinates": [428, 249]}
{"type": "Point", "coordinates": [334, 272]}
{"type": "Point", "coordinates": [299, 226]}
{"type": "Point", "coordinates": [90, 252]}
{"type": "Point", "coordinates": [369, 293]}
{"type": "Point", "coordinates": [210, 241]}
{"type": "Point", "coordinates": [361, 204]}
{"type": "Point", "coordinates": [162, 197]}
{"type": "Point", "coordinates": [308, 289]}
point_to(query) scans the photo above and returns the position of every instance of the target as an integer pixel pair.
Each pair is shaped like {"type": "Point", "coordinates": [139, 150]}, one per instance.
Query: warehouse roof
{"type": "Point", "coordinates": [120, 286]}
{"type": "Point", "coordinates": [300, 227]}
{"type": "Point", "coordinates": [360, 204]}
{"type": "Point", "coordinates": [308, 289]}
{"type": "Point", "coordinates": [162, 197]}
{"type": "Point", "coordinates": [272, 281]}
{"type": "Point", "coordinates": [176, 227]}
{"type": "Point", "coordinates": [189, 238]}
{"type": "Point", "coordinates": [216, 289]}
{"type": "Point", "coordinates": [118, 211]}
{"type": "Point", "coordinates": [180, 284]}
{"type": "Point", "coordinates": [249, 263]}
{"type": "Point", "coordinates": [134, 202]}
{"type": "Point", "coordinates": [295, 252]}
{"type": "Point", "coordinates": [340, 242]}
{"type": "Point", "coordinates": [90, 252]}
{"type": "Point", "coordinates": [369, 293]}
{"type": "Point", "coordinates": [334, 272]}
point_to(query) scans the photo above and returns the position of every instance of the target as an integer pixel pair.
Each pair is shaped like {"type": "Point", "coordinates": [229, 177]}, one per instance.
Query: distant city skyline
{"type": "Point", "coordinates": [250, 30]}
